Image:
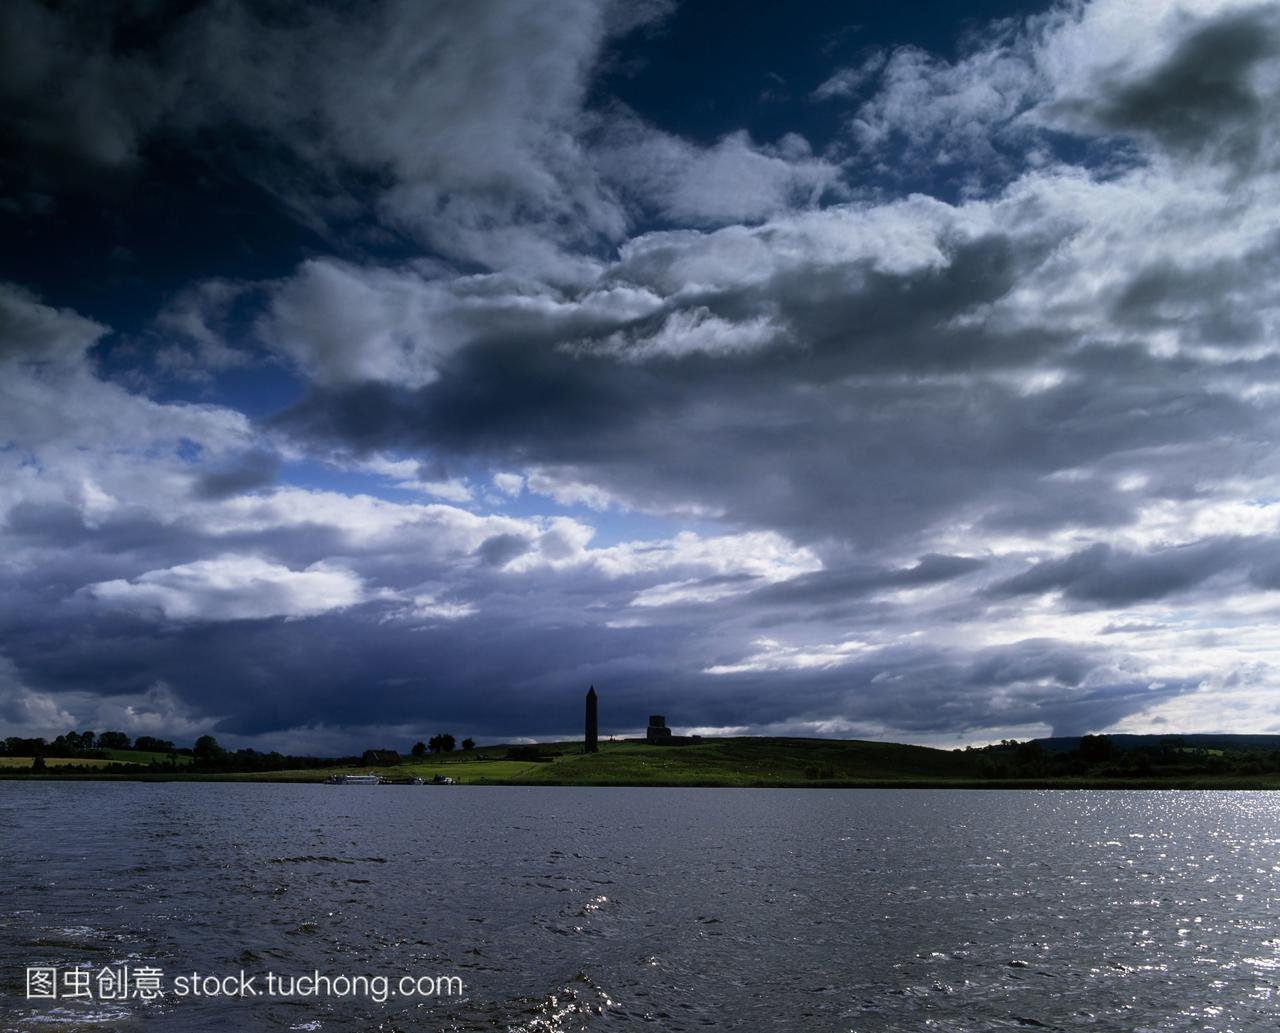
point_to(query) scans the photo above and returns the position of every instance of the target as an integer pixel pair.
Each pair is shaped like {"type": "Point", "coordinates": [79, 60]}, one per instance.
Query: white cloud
{"type": "Point", "coordinates": [692, 590]}
{"type": "Point", "coordinates": [407, 474]}
{"type": "Point", "coordinates": [233, 587]}
{"type": "Point", "coordinates": [76, 439]}
{"type": "Point", "coordinates": [568, 491]}
{"type": "Point", "coordinates": [510, 484]}
{"type": "Point", "coordinates": [429, 607]}
{"type": "Point", "coordinates": [771, 655]}
{"type": "Point", "coordinates": [946, 112]}
{"type": "Point", "coordinates": [342, 324]}
{"type": "Point", "coordinates": [158, 711]}
{"type": "Point", "coordinates": [688, 332]}
{"type": "Point", "coordinates": [760, 554]}
{"type": "Point", "coordinates": [733, 180]}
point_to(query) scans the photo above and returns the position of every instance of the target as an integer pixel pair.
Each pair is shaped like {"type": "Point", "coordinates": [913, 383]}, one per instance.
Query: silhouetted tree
{"type": "Point", "coordinates": [19, 747]}
{"type": "Point", "coordinates": [419, 748]}
{"type": "Point", "coordinates": [113, 741]}
{"type": "Point", "coordinates": [442, 743]}
{"type": "Point", "coordinates": [207, 748]}
{"type": "Point", "coordinates": [468, 744]}
{"type": "Point", "coordinates": [1095, 748]}
{"type": "Point", "coordinates": [76, 742]}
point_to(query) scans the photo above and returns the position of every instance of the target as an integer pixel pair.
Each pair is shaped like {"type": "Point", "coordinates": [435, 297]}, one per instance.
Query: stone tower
{"type": "Point", "coordinates": [593, 728]}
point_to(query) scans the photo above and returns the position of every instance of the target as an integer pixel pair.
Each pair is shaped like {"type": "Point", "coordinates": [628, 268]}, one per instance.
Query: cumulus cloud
{"type": "Point", "coordinates": [232, 587]}
{"type": "Point", "coordinates": [1189, 80]}
{"type": "Point", "coordinates": [340, 325]}
{"type": "Point", "coordinates": [1195, 80]}
{"type": "Point", "coordinates": [734, 180]}
{"type": "Point", "coordinates": [25, 712]}
{"type": "Point", "coordinates": [35, 334]}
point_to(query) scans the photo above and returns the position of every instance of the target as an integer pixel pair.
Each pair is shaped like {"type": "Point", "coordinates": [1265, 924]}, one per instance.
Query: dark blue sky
{"type": "Point", "coordinates": [893, 371]}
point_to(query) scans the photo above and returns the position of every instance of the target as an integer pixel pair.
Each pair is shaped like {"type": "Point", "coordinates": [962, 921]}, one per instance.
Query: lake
{"type": "Point", "coordinates": [610, 909]}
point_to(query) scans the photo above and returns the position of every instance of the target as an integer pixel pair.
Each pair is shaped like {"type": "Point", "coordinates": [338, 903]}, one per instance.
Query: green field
{"type": "Point", "coordinates": [139, 757]}
{"type": "Point", "coordinates": [732, 762]}
{"type": "Point", "coordinates": [481, 772]}
{"type": "Point", "coordinates": [55, 762]}
{"type": "Point", "coordinates": [145, 757]}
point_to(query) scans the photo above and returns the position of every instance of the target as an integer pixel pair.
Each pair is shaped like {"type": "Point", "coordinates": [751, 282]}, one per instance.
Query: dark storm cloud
{"type": "Point", "coordinates": [834, 585]}
{"type": "Point", "coordinates": [502, 678]}
{"type": "Point", "coordinates": [73, 91]}
{"type": "Point", "coordinates": [255, 470]}
{"type": "Point", "coordinates": [501, 549]}
{"type": "Point", "coordinates": [1204, 99]}
{"type": "Point", "coordinates": [794, 445]}
{"type": "Point", "coordinates": [462, 126]}
{"type": "Point", "coordinates": [928, 690]}
{"type": "Point", "coordinates": [1217, 301]}
{"type": "Point", "coordinates": [1110, 577]}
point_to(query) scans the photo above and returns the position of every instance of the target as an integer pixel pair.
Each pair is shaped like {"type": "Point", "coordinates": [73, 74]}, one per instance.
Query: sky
{"type": "Point", "coordinates": [905, 372]}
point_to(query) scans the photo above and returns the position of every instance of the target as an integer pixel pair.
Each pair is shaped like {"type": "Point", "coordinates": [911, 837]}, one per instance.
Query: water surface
{"type": "Point", "coordinates": [665, 909]}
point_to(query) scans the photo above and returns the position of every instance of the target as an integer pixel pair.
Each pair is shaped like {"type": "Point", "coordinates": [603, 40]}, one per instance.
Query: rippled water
{"type": "Point", "coordinates": [600, 909]}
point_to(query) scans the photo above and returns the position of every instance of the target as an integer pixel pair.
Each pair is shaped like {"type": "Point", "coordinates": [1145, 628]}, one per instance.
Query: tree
{"type": "Point", "coordinates": [207, 748]}
{"type": "Point", "coordinates": [468, 744]}
{"type": "Point", "coordinates": [37, 764]}
{"type": "Point", "coordinates": [113, 741]}
{"type": "Point", "coordinates": [20, 747]}
{"type": "Point", "coordinates": [1094, 748]}
{"type": "Point", "coordinates": [419, 748]}
{"type": "Point", "coordinates": [442, 743]}
{"type": "Point", "coordinates": [77, 742]}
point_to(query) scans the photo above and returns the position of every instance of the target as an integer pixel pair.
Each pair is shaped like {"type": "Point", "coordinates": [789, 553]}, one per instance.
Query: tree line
{"type": "Point", "coordinates": [205, 755]}
{"type": "Point", "coordinates": [442, 743]}
{"type": "Point", "coordinates": [1097, 756]}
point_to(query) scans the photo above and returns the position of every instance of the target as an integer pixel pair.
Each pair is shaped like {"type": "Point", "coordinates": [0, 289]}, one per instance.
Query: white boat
{"type": "Point", "coordinates": [354, 780]}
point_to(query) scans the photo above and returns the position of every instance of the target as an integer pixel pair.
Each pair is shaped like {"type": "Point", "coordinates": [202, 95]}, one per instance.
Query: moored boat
{"type": "Point", "coordinates": [354, 780]}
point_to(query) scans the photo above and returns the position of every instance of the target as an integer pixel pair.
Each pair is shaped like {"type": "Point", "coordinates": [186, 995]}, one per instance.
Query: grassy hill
{"type": "Point", "coordinates": [750, 762]}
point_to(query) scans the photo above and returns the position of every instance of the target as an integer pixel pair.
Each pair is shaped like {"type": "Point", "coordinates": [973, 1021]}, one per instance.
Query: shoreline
{"type": "Point", "coordinates": [1232, 783]}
